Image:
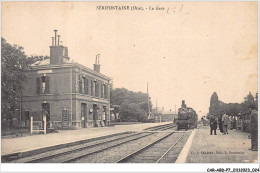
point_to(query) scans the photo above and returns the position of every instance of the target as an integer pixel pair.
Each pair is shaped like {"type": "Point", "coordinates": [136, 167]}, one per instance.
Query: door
{"type": "Point", "coordinates": [27, 118]}
{"type": "Point", "coordinates": [65, 119]}
{"type": "Point", "coordinates": [83, 115]}
{"type": "Point", "coordinates": [95, 114]}
{"type": "Point", "coordinates": [46, 111]}
{"type": "Point", "coordinates": [104, 115]}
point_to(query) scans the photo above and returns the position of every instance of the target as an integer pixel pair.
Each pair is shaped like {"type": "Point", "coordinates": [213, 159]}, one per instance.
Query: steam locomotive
{"type": "Point", "coordinates": [187, 117]}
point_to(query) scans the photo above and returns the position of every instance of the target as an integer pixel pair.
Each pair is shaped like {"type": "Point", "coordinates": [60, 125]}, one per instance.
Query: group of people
{"type": "Point", "coordinates": [229, 123]}
{"type": "Point", "coordinates": [224, 122]}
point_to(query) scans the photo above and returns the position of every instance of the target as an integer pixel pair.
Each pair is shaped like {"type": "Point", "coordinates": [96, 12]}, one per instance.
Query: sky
{"type": "Point", "coordinates": [185, 51]}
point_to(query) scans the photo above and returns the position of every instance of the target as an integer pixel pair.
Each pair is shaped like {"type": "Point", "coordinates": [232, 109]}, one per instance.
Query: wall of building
{"type": "Point", "coordinates": [59, 81]}
{"type": "Point", "coordinates": [60, 96]}
{"type": "Point", "coordinates": [89, 102]}
{"type": "Point", "coordinates": [81, 73]}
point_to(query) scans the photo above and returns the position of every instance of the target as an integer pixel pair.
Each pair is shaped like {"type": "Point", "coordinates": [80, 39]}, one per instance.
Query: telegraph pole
{"type": "Point", "coordinates": [148, 101]}
{"type": "Point", "coordinates": [156, 111]}
{"type": "Point", "coordinates": [156, 106]}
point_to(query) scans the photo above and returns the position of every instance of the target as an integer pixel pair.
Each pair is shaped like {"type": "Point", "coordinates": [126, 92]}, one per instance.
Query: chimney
{"type": "Point", "coordinates": [58, 40]}
{"type": "Point", "coordinates": [52, 41]}
{"type": "Point", "coordinates": [97, 65]}
{"type": "Point", "coordinates": [57, 51]}
{"type": "Point", "coordinates": [183, 105]}
{"type": "Point", "coordinates": [55, 31]}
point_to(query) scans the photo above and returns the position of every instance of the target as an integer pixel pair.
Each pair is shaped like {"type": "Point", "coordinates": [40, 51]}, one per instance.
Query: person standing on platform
{"type": "Point", "coordinates": [213, 124]}
{"type": "Point", "coordinates": [230, 124]}
{"type": "Point", "coordinates": [204, 121]}
{"type": "Point", "coordinates": [45, 113]}
{"type": "Point", "coordinates": [254, 127]}
{"type": "Point", "coordinates": [235, 122]}
{"type": "Point", "coordinates": [225, 122]}
{"type": "Point", "coordinates": [220, 123]}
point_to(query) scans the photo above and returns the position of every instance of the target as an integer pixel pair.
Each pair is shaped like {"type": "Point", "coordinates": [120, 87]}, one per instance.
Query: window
{"type": "Point", "coordinates": [106, 91]}
{"type": "Point", "coordinates": [84, 86]}
{"type": "Point", "coordinates": [96, 89]}
{"type": "Point", "coordinates": [43, 84]}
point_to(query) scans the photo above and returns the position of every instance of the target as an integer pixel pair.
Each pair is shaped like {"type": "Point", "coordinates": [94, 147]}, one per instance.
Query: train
{"type": "Point", "coordinates": [187, 117]}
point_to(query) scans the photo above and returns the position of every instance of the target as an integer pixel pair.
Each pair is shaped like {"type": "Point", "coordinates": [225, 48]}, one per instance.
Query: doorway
{"type": "Point", "coordinates": [83, 115]}
{"type": "Point", "coordinates": [104, 115]}
{"type": "Point", "coordinates": [46, 111]}
{"type": "Point", "coordinates": [95, 114]}
{"type": "Point", "coordinates": [27, 119]}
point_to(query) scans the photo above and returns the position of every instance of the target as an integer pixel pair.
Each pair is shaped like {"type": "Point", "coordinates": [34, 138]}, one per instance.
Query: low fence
{"type": "Point", "coordinates": [39, 126]}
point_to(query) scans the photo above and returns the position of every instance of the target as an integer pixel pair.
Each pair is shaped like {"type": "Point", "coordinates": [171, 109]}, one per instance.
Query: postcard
{"type": "Point", "coordinates": [157, 86]}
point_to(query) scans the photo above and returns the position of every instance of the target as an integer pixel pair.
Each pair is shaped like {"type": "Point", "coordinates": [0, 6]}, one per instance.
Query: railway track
{"type": "Point", "coordinates": [160, 147]}
{"type": "Point", "coordinates": [157, 151]}
{"type": "Point", "coordinates": [17, 156]}
{"type": "Point", "coordinates": [161, 127]}
{"type": "Point", "coordinates": [69, 154]}
{"type": "Point", "coordinates": [149, 146]}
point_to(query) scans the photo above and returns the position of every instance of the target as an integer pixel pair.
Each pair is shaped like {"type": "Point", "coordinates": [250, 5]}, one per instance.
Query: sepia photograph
{"type": "Point", "coordinates": [170, 84]}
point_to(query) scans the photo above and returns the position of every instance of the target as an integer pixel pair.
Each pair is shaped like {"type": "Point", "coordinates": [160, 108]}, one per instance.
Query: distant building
{"type": "Point", "coordinates": [72, 95]}
{"type": "Point", "coordinates": [163, 116]}
{"type": "Point", "coordinates": [169, 116]}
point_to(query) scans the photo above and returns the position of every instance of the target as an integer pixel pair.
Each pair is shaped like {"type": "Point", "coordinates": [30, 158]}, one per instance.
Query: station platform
{"type": "Point", "coordinates": [33, 142]}
{"type": "Point", "coordinates": [202, 147]}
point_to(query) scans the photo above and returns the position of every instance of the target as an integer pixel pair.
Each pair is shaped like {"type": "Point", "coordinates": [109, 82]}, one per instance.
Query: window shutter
{"type": "Point", "coordinates": [80, 84]}
{"type": "Point", "coordinates": [105, 91]}
{"type": "Point", "coordinates": [86, 86]}
{"type": "Point", "coordinates": [38, 85]}
{"type": "Point", "coordinates": [108, 92]}
{"type": "Point", "coordinates": [97, 89]}
{"type": "Point", "coordinates": [91, 85]}
{"type": "Point", "coordinates": [107, 96]}
{"type": "Point", "coordinates": [102, 94]}
{"type": "Point", "coordinates": [47, 84]}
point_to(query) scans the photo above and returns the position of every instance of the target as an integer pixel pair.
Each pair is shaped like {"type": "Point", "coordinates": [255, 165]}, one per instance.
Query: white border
{"type": "Point", "coordinates": [127, 167]}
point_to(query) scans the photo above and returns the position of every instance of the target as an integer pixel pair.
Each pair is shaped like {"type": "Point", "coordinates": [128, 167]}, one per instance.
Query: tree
{"type": "Point", "coordinates": [14, 67]}
{"type": "Point", "coordinates": [214, 104]}
{"type": "Point", "coordinates": [218, 107]}
{"type": "Point", "coordinates": [214, 100]}
{"type": "Point", "coordinates": [133, 106]}
{"type": "Point", "coordinates": [33, 58]}
{"type": "Point", "coordinates": [249, 99]}
{"type": "Point", "coordinates": [232, 108]}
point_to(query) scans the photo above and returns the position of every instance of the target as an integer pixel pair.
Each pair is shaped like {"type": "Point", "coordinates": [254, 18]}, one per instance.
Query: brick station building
{"type": "Point", "coordinates": [70, 94]}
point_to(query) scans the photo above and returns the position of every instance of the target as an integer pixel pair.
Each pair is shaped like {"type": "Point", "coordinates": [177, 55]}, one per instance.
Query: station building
{"type": "Point", "coordinates": [70, 94]}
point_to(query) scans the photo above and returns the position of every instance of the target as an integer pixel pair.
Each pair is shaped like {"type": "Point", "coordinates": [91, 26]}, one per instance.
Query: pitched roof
{"type": "Point", "coordinates": [46, 64]}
